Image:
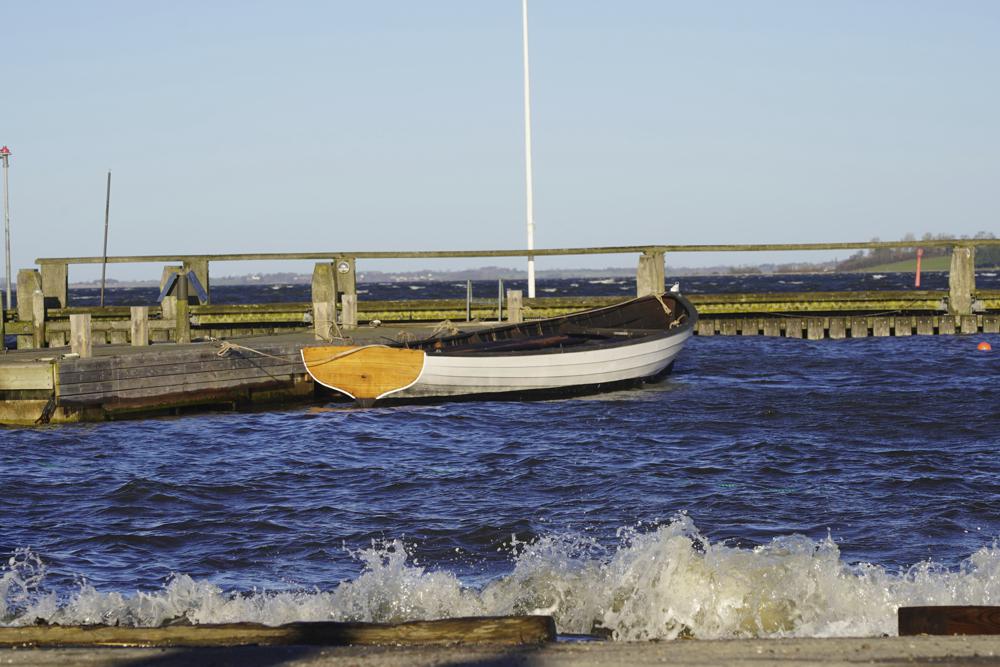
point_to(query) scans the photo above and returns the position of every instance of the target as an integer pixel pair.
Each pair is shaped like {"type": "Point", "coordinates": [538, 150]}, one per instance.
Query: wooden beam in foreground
{"type": "Point", "coordinates": [949, 620]}
{"type": "Point", "coordinates": [478, 630]}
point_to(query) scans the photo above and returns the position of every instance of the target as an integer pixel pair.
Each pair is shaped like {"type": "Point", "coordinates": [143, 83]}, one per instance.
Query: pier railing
{"type": "Point", "coordinates": [45, 316]}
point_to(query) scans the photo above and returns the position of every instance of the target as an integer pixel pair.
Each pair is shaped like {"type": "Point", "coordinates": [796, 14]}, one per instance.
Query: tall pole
{"type": "Point", "coordinates": [107, 214]}
{"type": "Point", "coordinates": [527, 155]}
{"type": "Point", "coordinates": [5, 156]}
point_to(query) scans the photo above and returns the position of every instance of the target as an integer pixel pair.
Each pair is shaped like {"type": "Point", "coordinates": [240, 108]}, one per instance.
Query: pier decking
{"type": "Point", "coordinates": [95, 363]}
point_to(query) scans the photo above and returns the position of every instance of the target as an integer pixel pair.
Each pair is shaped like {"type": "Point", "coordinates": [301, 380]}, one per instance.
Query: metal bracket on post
{"type": "Point", "coordinates": [192, 281]}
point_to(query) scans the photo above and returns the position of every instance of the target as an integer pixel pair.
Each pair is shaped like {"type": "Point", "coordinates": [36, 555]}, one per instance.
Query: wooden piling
{"type": "Point", "coordinates": [168, 306]}
{"type": "Point", "coordinates": [947, 325]}
{"type": "Point", "coordinates": [182, 326]}
{"type": "Point", "coordinates": [324, 300]}
{"type": "Point", "coordinates": [925, 326]}
{"type": "Point", "coordinates": [969, 324]}
{"type": "Point", "coordinates": [199, 267]}
{"type": "Point", "coordinates": [903, 326]}
{"type": "Point", "coordinates": [962, 280]}
{"type": "Point", "coordinates": [772, 327]}
{"type": "Point", "coordinates": [515, 305]}
{"type": "Point", "coordinates": [859, 327]}
{"type": "Point", "coordinates": [38, 319]}
{"type": "Point", "coordinates": [55, 284]}
{"type": "Point", "coordinates": [349, 311]}
{"type": "Point", "coordinates": [727, 327]}
{"type": "Point", "coordinates": [838, 328]}
{"type": "Point", "coordinates": [815, 328]}
{"type": "Point", "coordinates": [80, 335]}
{"type": "Point", "coordinates": [29, 281]}
{"type": "Point", "coordinates": [650, 274]}
{"type": "Point", "coordinates": [793, 327]}
{"type": "Point", "coordinates": [139, 325]}
{"type": "Point", "coordinates": [991, 323]}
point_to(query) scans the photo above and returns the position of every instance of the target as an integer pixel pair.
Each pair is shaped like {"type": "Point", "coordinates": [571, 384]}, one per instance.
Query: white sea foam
{"type": "Point", "coordinates": [663, 584]}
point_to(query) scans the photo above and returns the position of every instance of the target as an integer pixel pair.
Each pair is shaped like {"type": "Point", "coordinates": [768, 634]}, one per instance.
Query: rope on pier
{"type": "Point", "coordinates": [225, 347]}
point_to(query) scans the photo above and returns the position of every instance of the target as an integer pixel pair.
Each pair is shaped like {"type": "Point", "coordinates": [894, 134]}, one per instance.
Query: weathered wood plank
{"type": "Point", "coordinates": [949, 620]}
{"type": "Point", "coordinates": [772, 327]}
{"type": "Point", "coordinates": [18, 376]}
{"type": "Point", "coordinates": [838, 328]}
{"type": "Point", "coordinates": [881, 326]}
{"type": "Point", "coordinates": [793, 327]}
{"type": "Point", "coordinates": [493, 630]}
{"type": "Point", "coordinates": [139, 325]}
{"type": "Point", "coordinates": [925, 326]}
{"type": "Point", "coordinates": [706, 327]}
{"type": "Point", "coordinates": [947, 325]}
{"type": "Point", "coordinates": [859, 327]}
{"type": "Point", "coordinates": [903, 325]}
{"type": "Point", "coordinates": [80, 335]}
{"type": "Point", "coordinates": [815, 328]}
{"type": "Point", "coordinates": [969, 324]}
{"type": "Point", "coordinates": [727, 327]}
{"type": "Point", "coordinates": [991, 323]}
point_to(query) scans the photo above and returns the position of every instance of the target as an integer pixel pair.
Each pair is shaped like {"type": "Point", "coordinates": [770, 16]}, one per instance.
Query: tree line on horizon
{"type": "Point", "coordinates": [986, 256]}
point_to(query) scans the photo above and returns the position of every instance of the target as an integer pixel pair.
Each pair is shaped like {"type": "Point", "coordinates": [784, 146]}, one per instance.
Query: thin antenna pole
{"type": "Point", "coordinates": [107, 215]}
{"type": "Point", "coordinates": [527, 155]}
{"type": "Point", "coordinates": [5, 154]}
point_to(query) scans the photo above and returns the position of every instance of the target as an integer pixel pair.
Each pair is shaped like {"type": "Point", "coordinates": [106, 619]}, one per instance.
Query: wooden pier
{"type": "Point", "coordinates": [94, 363]}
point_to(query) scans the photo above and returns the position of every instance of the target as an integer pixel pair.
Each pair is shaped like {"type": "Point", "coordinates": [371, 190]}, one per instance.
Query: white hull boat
{"type": "Point", "coordinates": [593, 350]}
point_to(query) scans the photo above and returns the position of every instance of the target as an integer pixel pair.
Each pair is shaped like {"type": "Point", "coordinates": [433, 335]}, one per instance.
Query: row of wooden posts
{"type": "Point", "coordinates": [334, 293]}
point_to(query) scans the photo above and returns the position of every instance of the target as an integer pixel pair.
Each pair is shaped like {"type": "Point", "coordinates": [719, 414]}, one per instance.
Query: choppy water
{"type": "Point", "coordinates": [768, 487]}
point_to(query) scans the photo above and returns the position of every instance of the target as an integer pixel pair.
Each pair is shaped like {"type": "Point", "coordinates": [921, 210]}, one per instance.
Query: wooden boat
{"type": "Point", "coordinates": [592, 350]}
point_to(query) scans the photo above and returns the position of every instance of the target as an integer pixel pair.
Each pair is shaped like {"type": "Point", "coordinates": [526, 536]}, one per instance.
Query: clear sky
{"type": "Point", "coordinates": [397, 124]}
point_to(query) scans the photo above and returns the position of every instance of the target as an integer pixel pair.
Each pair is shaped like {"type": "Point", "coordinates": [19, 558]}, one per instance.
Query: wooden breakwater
{"type": "Point", "coordinates": [89, 363]}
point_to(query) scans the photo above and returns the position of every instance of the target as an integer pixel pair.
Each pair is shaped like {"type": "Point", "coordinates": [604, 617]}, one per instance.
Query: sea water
{"type": "Point", "coordinates": [768, 487]}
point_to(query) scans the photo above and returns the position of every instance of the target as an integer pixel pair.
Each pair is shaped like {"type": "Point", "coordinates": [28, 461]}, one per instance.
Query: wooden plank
{"type": "Point", "coordinates": [748, 326]}
{"type": "Point", "coordinates": [903, 326]}
{"type": "Point", "coordinates": [727, 327]}
{"type": "Point", "coordinates": [349, 311]}
{"type": "Point", "coordinates": [19, 376]}
{"type": "Point", "coordinates": [925, 326]}
{"type": "Point", "coordinates": [859, 327]}
{"type": "Point", "coordinates": [815, 328]}
{"type": "Point", "coordinates": [493, 630]}
{"type": "Point", "coordinates": [838, 328]}
{"type": "Point", "coordinates": [772, 327]}
{"type": "Point", "coordinates": [947, 325]}
{"type": "Point", "coordinates": [881, 326]}
{"type": "Point", "coordinates": [793, 327]}
{"type": "Point", "coordinates": [949, 620]}
{"type": "Point", "coordinates": [540, 252]}
{"type": "Point", "coordinates": [706, 327]}
{"type": "Point", "coordinates": [969, 324]}
{"type": "Point", "coordinates": [991, 323]}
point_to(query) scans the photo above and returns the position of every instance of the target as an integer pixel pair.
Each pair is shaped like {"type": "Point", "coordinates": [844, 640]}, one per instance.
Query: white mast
{"type": "Point", "coordinates": [527, 155]}
{"type": "Point", "coordinates": [5, 157]}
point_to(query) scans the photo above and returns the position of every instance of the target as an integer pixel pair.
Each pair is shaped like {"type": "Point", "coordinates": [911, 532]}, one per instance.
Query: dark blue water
{"type": "Point", "coordinates": [486, 289]}
{"type": "Point", "coordinates": [767, 487]}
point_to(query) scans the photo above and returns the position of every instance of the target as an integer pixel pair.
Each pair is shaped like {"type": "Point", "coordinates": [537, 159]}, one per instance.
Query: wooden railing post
{"type": "Point", "coordinates": [962, 280]}
{"type": "Point", "coordinates": [80, 335]}
{"type": "Point", "coordinates": [200, 269]}
{"type": "Point", "coordinates": [349, 311]}
{"type": "Point", "coordinates": [140, 325]}
{"type": "Point", "coordinates": [55, 285]}
{"type": "Point", "coordinates": [324, 301]}
{"type": "Point", "coordinates": [168, 307]}
{"type": "Point", "coordinates": [649, 277]}
{"type": "Point", "coordinates": [38, 319]}
{"type": "Point", "coordinates": [182, 328]}
{"type": "Point", "coordinates": [515, 305]}
{"type": "Point", "coordinates": [29, 281]}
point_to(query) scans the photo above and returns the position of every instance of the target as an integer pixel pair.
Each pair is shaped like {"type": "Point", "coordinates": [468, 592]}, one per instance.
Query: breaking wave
{"type": "Point", "coordinates": [663, 584]}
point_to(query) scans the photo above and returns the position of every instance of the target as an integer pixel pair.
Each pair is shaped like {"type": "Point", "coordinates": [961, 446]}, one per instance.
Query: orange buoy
{"type": "Point", "coordinates": [984, 347]}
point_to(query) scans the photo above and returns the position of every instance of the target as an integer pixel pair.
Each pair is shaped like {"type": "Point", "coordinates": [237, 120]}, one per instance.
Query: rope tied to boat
{"type": "Point", "coordinates": [225, 347]}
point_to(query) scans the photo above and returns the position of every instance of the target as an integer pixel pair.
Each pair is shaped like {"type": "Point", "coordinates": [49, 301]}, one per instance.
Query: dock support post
{"type": "Point", "coordinates": [29, 281]}
{"type": "Point", "coordinates": [55, 285]}
{"type": "Point", "coordinates": [200, 269]}
{"type": "Point", "coordinates": [649, 277]}
{"type": "Point", "coordinates": [962, 280]}
{"type": "Point", "coordinates": [80, 335]}
{"type": "Point", "coordinates": [324, 301]}
{"type": "Point", "coordinates": [140, 325]}
{"type": "Point", "coordinates": [182, 330]}
{"type": "Point", "coordinates": [38, 319]}
{"type": "Point", "coordinates": [168, 307]}
{"type": "Point", "coordinates": [515, 305]}
{"type": "Point", "coordinates": [349, 311]}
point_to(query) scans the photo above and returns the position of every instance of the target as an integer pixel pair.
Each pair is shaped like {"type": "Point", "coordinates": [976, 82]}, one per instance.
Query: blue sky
{"type": "Point", "coordinates": [385, 125]}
